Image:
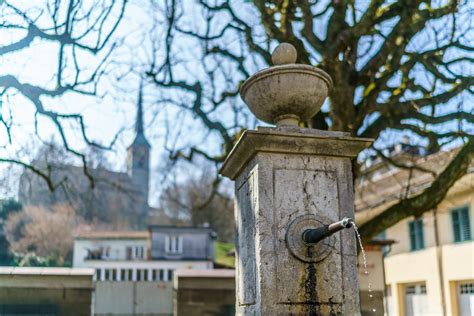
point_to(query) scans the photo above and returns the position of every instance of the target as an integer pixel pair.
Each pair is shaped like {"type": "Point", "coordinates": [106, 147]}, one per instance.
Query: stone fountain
{"type": "Point", "coordinates": [293, 199]}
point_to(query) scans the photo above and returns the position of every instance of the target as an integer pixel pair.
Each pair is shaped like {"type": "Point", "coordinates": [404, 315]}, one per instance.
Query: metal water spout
{"type": "Point", "coordinates": [315, 235]}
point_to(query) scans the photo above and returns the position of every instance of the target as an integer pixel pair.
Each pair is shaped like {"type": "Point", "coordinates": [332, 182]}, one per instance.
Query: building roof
{"type": "Point", "coordinates": [113, 235]}
{"type": "Point", "coordinates": [394, 184]}
{"type": "Point", "coordinates": [50, 271]}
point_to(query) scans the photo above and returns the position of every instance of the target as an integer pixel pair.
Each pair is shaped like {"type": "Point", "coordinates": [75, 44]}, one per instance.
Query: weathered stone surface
{"type": "Point", "coordinates": [279, 91]}
{"type": "Point", "coordinates": [285, 53]}
{"type": "Point", "coordinates": [286, 93]}
{"type": "Point", "coordinates": [247, 197]}
{"type": "Point", "coordinates": [282, 174]}
{"type": "Point", "coordinates": [290, 140]}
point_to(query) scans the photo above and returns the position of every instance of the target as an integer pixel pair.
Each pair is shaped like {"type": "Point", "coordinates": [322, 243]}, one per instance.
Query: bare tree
{"type": "Point", "coordinates": [82, 34]}
{"type": "Point", "coordinates": [197, 201]}
{"type": "Point", "coordinates": [42, 231]}
{"type": "Point", "coordinates": [397, 67]}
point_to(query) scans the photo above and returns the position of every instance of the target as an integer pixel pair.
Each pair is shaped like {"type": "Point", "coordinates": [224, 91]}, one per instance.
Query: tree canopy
{"type": "Point", "coordinates": [398, 67]}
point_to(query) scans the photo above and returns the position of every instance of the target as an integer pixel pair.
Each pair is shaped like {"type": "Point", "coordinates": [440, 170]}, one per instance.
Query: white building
{"type": "Point", "coordinates": [125, 256]}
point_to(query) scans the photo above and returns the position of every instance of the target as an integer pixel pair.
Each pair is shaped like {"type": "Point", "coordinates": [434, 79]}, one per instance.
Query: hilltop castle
{"type": "Point", "coordinates": [117, 198]}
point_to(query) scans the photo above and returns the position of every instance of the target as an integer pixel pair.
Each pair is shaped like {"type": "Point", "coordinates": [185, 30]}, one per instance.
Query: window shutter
{"type": "Point", "coordinates": [417, 240]}
{"type": "Point", "coordinates": [456, 225]}
{"type": "Point", "coordinates": [421, 237]}
{"type": "Point", "coordinates": [173, 244]}
{"type": "Point", "coordinates": [167, 244]}
{"type": "Point", "coordinates": [180, 244]}
{"type": "Point", "coordinates": [412, 236]}
{"type": "Point", "coordinates": [465, 224]}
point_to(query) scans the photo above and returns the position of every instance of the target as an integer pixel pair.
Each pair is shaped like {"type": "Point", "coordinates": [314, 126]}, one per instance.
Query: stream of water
{"type": "Point", "coordinates": [364, 257]}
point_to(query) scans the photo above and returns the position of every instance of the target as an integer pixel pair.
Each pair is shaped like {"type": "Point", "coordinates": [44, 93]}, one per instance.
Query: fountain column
{"type": "Point", "coordinates": [289, 179]}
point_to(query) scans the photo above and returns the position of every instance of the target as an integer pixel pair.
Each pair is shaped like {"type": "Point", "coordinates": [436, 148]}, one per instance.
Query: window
{"type": "Point", "coordinates": [461, 224]}
{"type": "Point", "coordinates": [410, 289]}
{"type": "Point", "coordinates": [140, 252]}
{"type": "Point", "coordinates": [154, 275]}
{"type": "Point", "coordinates": [162, 275]}
{"type": "Point", "coordinates": [170, 275]}
{"type": "Point", "coordinates": [415, 289]}
{"type": "Point", "coordinates": [416, 300]}
{"type": "Point", "coordinates": [416, 234]}
{"type": "Point", "coordinates": [128, 253]}
{"type": "Point", "coordinates": [422, 289]}
{"type": "Point", "coordinates": [135, 252]}
{"type": "Point", "coordinates": [110, 275]}
{"type": "Point", "coordinates": [98, 274]}
{"type": "Point", "coordinates": [466, 288]}
{"type": "Point", "coordinates": [94, 254]}
{"type": "Point", "coordinates": [105, 252]}
{"type": "Point", "coordinates": [174, 244]}
{"type": "Point", "coordinates": [142, 274]}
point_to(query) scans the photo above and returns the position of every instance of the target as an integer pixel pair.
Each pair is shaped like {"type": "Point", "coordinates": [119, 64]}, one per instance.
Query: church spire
{"type": "Point", "coordinates": [140, 138]}
{"type": "Point", "coordinates": [138, 158]}
{"type": "Point", "coordinates": [139, 118]}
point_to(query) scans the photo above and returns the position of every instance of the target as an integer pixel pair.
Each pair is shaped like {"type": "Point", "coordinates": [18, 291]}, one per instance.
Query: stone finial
{"type": "Point", "coordinates": [285, 53]}
{"type": "Point", "coordinates": [287, 93]}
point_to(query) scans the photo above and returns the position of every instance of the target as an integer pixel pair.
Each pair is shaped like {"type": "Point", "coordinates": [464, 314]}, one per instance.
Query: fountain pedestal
{"type": "Point", "coordinates": [286, 178]}
{"type": "Point", "coordinates": [289, 180]}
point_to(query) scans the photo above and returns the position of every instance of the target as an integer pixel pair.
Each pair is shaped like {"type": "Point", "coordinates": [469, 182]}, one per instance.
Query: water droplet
{"type": "Point", "coordinates": [370, 295]}
{"type": "Point", "coordinates": [374, 310]}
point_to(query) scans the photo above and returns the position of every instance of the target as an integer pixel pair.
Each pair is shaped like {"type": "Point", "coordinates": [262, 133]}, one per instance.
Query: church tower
{"type": "Point", "coordinates": [138, 158]}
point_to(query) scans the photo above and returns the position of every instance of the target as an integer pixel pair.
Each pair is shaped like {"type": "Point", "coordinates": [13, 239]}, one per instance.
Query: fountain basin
{"type": "Point", "coordinates": [286, 94]}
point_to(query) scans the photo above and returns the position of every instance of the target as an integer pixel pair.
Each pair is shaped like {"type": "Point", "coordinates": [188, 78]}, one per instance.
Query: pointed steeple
{"type": "Point", "coordinates": [140, 138]}
{"type": "Point", "coordinates": [138, 158]}
{"type": "Point", "coordinates": [139, 119]}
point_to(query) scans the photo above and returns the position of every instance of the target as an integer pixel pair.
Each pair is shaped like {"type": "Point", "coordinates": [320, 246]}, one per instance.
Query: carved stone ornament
{"type": "Point", "coordinates": [287, 93]}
